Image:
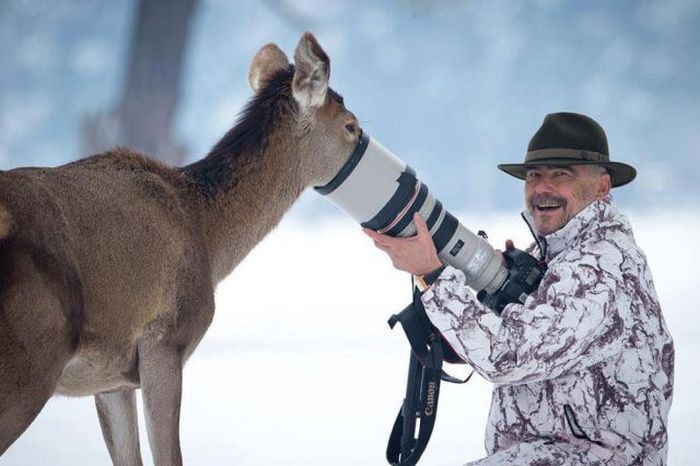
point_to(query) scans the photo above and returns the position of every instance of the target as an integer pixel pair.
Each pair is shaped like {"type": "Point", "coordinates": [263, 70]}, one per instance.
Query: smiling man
{"type": "Point", "coordinates": [583, 369]}
{"type": "Point", "coordinates": [555, 194]}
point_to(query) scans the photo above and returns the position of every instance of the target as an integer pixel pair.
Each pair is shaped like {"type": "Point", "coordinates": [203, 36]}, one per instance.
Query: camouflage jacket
{"type": "Point", "coordinates": [586, 360]}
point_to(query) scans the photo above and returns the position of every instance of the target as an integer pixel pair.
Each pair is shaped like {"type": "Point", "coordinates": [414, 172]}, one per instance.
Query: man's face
{"type": "Point", "coordinates": [554, 195]}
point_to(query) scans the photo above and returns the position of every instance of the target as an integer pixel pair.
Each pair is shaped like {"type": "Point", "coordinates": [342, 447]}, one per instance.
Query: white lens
{"type": "Point", "coordinates": [382, 193]}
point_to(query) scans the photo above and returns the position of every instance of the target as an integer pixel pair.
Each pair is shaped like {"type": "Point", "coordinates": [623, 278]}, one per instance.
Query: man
{"type": "Point", "coordinates": [583, 370]}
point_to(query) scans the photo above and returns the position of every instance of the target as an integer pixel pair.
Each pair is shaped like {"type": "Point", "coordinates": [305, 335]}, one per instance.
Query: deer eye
{"type": "Point", "coordinates": [350, 127]}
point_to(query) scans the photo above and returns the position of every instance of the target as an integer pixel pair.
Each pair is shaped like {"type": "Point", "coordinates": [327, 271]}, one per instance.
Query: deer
{"type": "Point", "coordinates": [108, 264]}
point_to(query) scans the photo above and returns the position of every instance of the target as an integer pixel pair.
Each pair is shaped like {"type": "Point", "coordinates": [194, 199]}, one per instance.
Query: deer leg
{"type": "Point", "coordinates": [37, 338]}
{"type": "Point", "coordinates": [118, 420]}
{"type": "Point", "coordinates": [160, 369]}
{"type": "Point", "coordinates": [25, 385]}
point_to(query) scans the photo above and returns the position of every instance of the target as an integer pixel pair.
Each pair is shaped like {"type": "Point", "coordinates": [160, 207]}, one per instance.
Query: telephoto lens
{"type": "Point", "coordinates": [382, 193]}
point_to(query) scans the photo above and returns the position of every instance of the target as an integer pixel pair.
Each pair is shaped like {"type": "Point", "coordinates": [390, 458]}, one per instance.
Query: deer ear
{"type": "Point", "coordinates": [268, 61]}
{"type": "Point", "coordinates": [312, 70]}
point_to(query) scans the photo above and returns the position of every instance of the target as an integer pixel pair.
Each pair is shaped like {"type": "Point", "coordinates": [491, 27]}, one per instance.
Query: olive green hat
{"type": "Point", "coordinates": [570, 139]}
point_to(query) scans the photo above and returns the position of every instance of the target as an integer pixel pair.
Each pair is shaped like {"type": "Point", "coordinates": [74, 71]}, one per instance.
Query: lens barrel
{"type": "Point", "coordinates": [382, 193]}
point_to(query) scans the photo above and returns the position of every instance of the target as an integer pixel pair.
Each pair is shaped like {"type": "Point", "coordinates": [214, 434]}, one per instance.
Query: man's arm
{"type": "Point", "coordinates": [569, 323]}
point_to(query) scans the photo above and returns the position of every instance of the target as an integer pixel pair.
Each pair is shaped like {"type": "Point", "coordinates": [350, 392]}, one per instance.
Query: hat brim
{"type": "Point", "coordinates": [620, 173]}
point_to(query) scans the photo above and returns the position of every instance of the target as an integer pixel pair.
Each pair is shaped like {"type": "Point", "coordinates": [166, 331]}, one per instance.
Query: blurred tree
{"type": "Point", "coordinates": [292, 16]}
{"type": "Point", "coordinates": [143, 117]}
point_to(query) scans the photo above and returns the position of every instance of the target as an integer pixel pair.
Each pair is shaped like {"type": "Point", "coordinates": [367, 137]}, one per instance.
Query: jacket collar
{"type": "Point", "coordinates": [588, 219]}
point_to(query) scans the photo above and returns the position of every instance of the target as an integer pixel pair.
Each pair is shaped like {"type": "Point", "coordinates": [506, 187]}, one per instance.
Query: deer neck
{"type": "Point", "coordinates": [236, 215]}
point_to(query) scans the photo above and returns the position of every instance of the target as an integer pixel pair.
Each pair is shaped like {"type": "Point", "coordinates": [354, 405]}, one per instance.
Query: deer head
{"type": "Point", "coordinates": [323, 132]}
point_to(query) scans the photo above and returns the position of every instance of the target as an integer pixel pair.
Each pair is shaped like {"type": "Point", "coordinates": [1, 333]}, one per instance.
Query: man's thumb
{"type": "Point", "coordinates": [421, 226]}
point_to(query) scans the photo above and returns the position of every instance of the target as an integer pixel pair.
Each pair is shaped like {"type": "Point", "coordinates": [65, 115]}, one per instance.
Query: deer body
{"type": "Point", "coordinates": [108, 265]}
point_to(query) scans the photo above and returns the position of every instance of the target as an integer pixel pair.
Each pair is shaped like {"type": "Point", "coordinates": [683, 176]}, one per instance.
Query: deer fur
{"type": "Point", "coordinates": [108, 265]}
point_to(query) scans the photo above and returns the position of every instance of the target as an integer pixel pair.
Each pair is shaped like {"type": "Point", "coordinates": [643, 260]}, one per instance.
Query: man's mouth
{"type": "Point", "coordinates": [547, 206]}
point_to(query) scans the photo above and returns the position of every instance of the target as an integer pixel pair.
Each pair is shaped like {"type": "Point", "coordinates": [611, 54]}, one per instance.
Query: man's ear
{"type": "Point", "coordinates": [268, 61]}
{"type": "Point", "coordinates": [604, 186]}
{"type": "Point", "coordinates": [312, 70]}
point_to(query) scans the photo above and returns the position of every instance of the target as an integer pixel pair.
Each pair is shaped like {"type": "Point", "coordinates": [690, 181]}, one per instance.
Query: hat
{"type": "Point", "coordinates": [570, 139]}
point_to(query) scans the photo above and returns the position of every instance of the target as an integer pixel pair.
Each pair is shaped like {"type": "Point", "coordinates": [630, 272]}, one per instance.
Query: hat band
{"type": "Point", "coordinates": [574, 154]}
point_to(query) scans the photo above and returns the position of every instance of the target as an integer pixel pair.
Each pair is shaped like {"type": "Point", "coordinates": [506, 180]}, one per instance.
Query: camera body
{"type": "Point", "coordinates": [524, 275]}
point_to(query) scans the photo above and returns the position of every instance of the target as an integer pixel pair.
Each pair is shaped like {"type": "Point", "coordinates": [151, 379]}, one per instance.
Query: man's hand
{"type": "Point", "coordinates": [416, 255]}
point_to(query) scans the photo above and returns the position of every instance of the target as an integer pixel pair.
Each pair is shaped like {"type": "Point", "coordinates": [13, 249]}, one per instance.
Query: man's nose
{"type": "Point", "coordinates": [543, 185]}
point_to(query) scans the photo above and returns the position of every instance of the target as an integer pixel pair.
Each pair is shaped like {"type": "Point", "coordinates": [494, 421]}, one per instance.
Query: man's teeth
{"type": "Point", "coordinates": [547, 206]}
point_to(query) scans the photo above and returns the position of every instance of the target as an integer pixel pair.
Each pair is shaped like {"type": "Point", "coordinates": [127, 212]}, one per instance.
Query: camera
{"type": "Point", "coordinates": [381, 192]}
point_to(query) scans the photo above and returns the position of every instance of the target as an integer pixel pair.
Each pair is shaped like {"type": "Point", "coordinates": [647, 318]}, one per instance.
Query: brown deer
{"type": "Point", "coordinates": [108, 264]}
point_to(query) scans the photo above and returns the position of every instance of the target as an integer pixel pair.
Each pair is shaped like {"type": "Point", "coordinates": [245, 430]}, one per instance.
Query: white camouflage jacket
{"type": "Point", "coordinates": [583, 370]}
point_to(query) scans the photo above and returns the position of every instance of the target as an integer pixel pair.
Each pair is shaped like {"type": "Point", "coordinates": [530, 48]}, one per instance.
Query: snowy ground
{"type": "Point", "coordinates": [299, 366]}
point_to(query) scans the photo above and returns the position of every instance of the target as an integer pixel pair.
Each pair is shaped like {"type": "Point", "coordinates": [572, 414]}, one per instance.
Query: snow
{"type": "Point", "coordinates": [299, 366]}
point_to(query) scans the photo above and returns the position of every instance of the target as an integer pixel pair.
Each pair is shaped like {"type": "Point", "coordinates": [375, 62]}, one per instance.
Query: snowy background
{"type": "Point", "coordinates": [312, 374]}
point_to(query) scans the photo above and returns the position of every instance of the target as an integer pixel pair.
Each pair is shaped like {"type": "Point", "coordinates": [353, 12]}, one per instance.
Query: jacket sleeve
{"type": "Point", "coordinates": [570, 322]}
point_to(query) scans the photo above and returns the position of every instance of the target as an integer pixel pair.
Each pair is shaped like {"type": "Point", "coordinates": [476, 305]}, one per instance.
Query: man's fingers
{"type": "Point", "coordinates": [413, 255]}
{"type": "Point", "coordinates": [382, 246]}
{"type": "Point", "coordinates": [377, 237]}
{"type": "Point", "coordinates": [379, 244]}
{"type": "Point", "coordinates": [383, 242]}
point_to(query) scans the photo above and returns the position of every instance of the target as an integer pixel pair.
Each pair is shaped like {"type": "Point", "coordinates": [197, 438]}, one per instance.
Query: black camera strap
{"type": "Point", "coordinates": [423, 385]}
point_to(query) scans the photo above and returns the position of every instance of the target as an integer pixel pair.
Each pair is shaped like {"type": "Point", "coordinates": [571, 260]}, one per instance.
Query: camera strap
{"type": "Point", "coordinates": [423, 385]}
